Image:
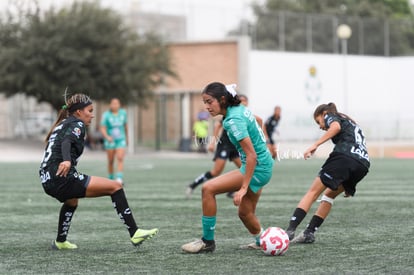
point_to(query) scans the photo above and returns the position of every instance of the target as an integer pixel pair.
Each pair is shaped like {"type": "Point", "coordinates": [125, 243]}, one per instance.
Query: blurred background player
{"type": "Point", "coordinates": [114, 129]}
{"type": "Point", "coordinates": [225, 150]}
{"type": "Point", "coordinates": [61, 180]}
{"type": "Point", "coordinates": [257, 166]}
{"type": "Point", "coordinates": [200, 129]}
{"type": "Point", "coordinates": [270, 126]}
{"type": "Point", "coordinates": [345, 167]}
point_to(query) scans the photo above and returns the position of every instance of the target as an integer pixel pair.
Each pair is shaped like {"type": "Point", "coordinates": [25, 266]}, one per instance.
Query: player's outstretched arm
{"type": "Point", "coordinates": [332, 131]}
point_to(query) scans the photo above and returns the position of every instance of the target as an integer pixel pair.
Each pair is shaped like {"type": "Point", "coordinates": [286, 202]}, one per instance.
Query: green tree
{"type": "Point", "coordinates": [83, 47]}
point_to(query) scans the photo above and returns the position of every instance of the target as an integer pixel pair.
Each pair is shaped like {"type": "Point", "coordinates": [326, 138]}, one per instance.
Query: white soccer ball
{"type": "Point", "coordinates": [274, 241]}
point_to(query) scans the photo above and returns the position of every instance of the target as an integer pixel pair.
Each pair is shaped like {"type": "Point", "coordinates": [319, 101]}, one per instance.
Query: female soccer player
{"type": "Point", "coordinates": [346, 166]}
{"type": "Point", "coordinates": [224, 150]}
{"type": "Point", "coordinates": [61, 180]}
{"type": "Point", "coordinates": [270, 128]}
{"type": "Point", "coordinates": [256, 170]}
{"type": "Point", "coordinates": [114, 129]}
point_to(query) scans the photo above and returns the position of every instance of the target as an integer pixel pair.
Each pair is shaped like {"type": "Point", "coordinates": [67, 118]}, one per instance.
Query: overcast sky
{"type": "Point", "coordinates": [206, 19]}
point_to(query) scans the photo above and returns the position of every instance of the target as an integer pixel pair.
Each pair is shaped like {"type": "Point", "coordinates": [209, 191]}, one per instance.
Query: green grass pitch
{"type": "Point", "coordinates": [372, 233]}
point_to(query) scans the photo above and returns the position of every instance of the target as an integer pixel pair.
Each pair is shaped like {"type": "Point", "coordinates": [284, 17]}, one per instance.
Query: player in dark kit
{"type": "Point", "coordinates": [61, 180]}
{"type": "Point", "coordinates": [346, 166]}
{"type": "Point", "coordinates": [225, 150]}
{"type": "Point", "coordinates": [270, 127]}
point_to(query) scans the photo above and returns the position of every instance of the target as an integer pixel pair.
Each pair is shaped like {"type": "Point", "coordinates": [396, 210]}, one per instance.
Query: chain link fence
{"type": "Point", "coordinates": [316, 33]}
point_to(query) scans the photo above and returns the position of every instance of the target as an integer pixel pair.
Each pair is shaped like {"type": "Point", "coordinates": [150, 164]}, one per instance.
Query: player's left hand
{"type": "Point", "coordinates": [310, 151]}
{"type": "Point", "coordinates": [238, 196]}
{"type": "Point", "coordinates": [63, 168]}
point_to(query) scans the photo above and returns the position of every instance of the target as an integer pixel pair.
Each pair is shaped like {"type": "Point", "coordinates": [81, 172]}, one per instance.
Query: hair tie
{"type": "Point", "coordinates": [64, 107]}
{"type": "Point", "coordinates": [231, 88]}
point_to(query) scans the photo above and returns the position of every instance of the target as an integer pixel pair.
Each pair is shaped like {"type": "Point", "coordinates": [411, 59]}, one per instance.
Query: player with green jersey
{"type": "Point", "coordinates": [114, 129]}
{"type": "Point", "coordinates": [247, 182]}
{"type": "Point", "coordinates": [240, 123]}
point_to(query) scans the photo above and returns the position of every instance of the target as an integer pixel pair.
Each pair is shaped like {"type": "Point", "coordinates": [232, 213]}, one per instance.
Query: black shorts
{"type": "Point", "coordinates": [64, 188]}
{"type": "Point", "coordinates": [340, 169]}
{"type": "Point", "coordinates": [224, 151]}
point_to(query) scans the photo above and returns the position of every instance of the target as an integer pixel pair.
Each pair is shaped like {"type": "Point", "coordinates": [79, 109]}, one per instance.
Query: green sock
{"type": "Point", "coordinates": [257, 237]}
{"type": "Point", "coordinates": [119, 175]}
{"type": "Point", "coordinates": [111, 176]}
{"type": "Point", "coordinates": [209, 225]}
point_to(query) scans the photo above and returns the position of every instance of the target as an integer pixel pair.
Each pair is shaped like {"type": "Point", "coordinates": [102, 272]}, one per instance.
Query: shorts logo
{"type": "Point", "coordinates": [328, 176]}
{"type": "Point", "coordinates": [76, 131]}
{"type": "Point", "coordinates": [223, 154]}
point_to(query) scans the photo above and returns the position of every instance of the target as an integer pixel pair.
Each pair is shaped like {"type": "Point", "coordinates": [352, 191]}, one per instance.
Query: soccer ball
{"type": "Point", "coordinates": [274, 241]}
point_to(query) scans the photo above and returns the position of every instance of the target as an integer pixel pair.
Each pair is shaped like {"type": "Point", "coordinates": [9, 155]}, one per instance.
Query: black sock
{"type": "Point", "coordinates": [208, 242]}
{"type": "Point", "coordinates": [120, 204]}
{"type": "Point", "coordinates": [296, 219]}
{"type": "Point", "coordinates": [314, 224]}
{"type": "Point", "coordinates": [65, 218]}
{"type": "Point", "coordinates": [202, 178]}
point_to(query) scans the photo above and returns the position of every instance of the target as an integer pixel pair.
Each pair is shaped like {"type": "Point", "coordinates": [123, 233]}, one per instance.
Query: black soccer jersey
{"type": "Point", "coordinates": [65, 143]}
{"type": "Point", "coordinates": [225, 141]}
{"type": "Point", "coordinates": [271, 125]}
{"type": "Point", "coordinates": [350, 140]}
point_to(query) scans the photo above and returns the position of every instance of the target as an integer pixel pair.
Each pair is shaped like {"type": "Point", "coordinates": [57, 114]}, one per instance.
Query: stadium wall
{"type": "Point", "coordinates": [376, 91]}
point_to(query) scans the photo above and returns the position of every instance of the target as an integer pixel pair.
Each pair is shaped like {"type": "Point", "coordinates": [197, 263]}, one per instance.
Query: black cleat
{"type": "Point", "coordinates": [304, 237]}
{"type": "Point", "coordinates": [291, 234]}
{"type": "Point", "coordinates": [199, 246]}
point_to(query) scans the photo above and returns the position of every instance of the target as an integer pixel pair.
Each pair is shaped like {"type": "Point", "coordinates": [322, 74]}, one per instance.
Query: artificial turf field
{"type": "Point", "coordinates": [372, 233]}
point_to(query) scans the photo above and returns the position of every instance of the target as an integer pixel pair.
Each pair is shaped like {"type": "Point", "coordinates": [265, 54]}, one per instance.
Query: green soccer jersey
{"type": "Point", "coordinates": [240, 123]}
{"type": "Point", "coordinates": [70, 131]}
{"type": "Point", "coordinates": [115, 123]}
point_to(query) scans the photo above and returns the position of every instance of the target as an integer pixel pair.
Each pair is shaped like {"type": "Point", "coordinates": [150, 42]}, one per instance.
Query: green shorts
{"type": "Point", "coordinates": [115, 144]}
{"type": "Point", "coordinates": [261, 176]}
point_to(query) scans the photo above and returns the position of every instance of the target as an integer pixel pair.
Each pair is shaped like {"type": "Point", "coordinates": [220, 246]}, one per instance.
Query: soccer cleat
{"type": "Point", "coordinates": [304, 237]}
{"type": "Point", "coordinates": [199, 246]}
{"type": "Point", "coordinates": [189, 192]}
{"type": "Point", "coordinates": [250, 246]}
{"type": "Point", "coordinates": [141, 235]}
{"type": "Point", "coordinates": [291, 234]}
{"type": "Point", "coordinates": [63, 245]}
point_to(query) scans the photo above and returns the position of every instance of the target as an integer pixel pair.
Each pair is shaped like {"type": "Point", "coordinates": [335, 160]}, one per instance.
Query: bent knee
{"type": "Point", "coordinates": [208, 189]}
{"type": "Point", "coordinates": [117, 185]}
{"type": "Point", "coordinates": [327, 199]}
{"type": "Point", "coordinates": [114, 187]}
{"type": "Point", "coordinates": [71, 202]}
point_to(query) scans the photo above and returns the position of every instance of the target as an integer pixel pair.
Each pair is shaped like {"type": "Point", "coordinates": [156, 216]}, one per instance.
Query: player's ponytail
{"type": "Point", "coordinates": [329, 108]}
{"type": "Point", "coordinates": [225, 95]}
{"type": "Point", "coordinates": [63, 114]}
{"type": "Point", "coordinates": [73, 103]}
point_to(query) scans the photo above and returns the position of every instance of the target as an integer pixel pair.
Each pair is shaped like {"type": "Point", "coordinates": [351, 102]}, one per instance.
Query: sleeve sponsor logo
{"type": "Point", "coordinates": [76, 131]}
